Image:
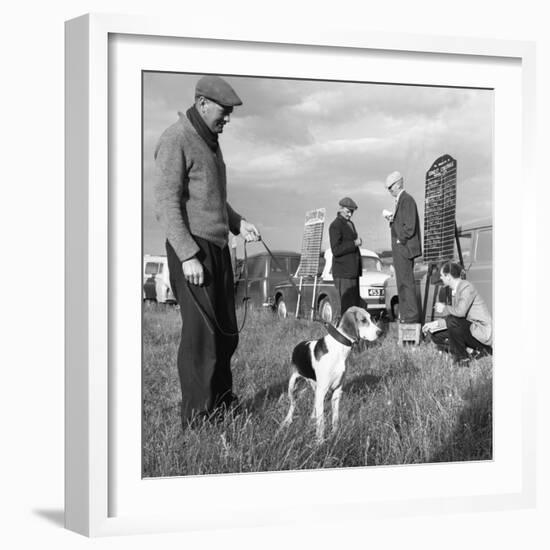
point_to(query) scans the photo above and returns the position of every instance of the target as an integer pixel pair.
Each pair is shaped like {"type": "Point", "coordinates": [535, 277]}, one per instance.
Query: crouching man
{"type": "Point", "coordinates": [467, 322]}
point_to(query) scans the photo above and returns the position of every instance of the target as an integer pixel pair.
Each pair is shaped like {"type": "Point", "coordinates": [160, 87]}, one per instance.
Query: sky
{"type": "Point", "coordinates": [298, 145]}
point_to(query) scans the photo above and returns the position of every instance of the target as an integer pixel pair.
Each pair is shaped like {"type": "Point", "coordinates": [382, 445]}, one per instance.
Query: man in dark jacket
{"type": "Point", "coordinates": [346, 256]}
{"type": "Point", "coordinates": [405, 246]}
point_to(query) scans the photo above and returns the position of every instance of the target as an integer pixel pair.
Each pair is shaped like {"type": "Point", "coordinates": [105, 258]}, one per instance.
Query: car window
{"type": "Point", "coordinates": [484, 250]}
{"type": "Point", "coordinates": [151, 268]}
{"type": "Point", "coordinates": [370, 264]}
{"type": "Point", "coordinates": [256, 267]}
{"type": "Point", "coordinates": [294, 263]}
{"type": "Point", "coordinates": [465, 240]}
{"type": "Point", "coordinates": [280, 266]}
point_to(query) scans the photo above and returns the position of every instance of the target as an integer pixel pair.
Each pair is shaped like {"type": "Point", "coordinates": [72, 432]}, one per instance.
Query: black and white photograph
{"type": "Point", "coordinates": [290, 262]}
{"type": "Point", "coordinates": [317, 274]}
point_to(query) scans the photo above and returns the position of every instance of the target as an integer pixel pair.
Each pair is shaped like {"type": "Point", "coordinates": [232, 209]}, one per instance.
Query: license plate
{"type": "Point", "coordinates": [376, 291]}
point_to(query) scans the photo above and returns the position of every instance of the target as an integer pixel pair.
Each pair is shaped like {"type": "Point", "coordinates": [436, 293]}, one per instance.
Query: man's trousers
{"type": "Point", "coordinates": [348, 289]}
{"type": "Point", "coordinates": [209, 330]}
{"type": "Point", "coordinates": [406, 287]}
{"type": "Point", "coordinates": [459, 338]}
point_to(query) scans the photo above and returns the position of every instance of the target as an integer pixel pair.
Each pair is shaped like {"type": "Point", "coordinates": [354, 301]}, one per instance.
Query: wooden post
{"type": "Point", "coordinates": [299, 296]}
{"type": "Point", "coordinates": [313, 297]}
{"type": "Point", "coordinates": [426, 292]}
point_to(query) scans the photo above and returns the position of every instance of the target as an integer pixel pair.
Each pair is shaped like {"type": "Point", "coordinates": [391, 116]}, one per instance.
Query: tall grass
{"type": "Point", "coordinates": [399, 406]}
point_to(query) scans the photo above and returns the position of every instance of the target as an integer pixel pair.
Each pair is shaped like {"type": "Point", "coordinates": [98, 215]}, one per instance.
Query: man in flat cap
{"type": "Point", "coordinates": [191, 202]}
{"type": "Point", "coordinates": [346, 256]}
{"type": "Point", "coordinates": [405, 245]}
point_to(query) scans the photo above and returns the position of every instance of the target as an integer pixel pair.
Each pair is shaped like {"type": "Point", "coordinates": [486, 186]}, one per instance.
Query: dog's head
{"type": "Point", "coordinates": [357, 324]}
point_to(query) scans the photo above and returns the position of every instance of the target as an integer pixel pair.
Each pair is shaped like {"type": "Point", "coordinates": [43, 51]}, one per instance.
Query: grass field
{"type": "Point", "coordinates": [399, 406]}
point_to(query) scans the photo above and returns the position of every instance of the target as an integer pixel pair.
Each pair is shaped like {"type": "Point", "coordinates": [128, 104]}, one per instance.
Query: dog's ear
{"type": "Point", "coordinates": [349, 323]}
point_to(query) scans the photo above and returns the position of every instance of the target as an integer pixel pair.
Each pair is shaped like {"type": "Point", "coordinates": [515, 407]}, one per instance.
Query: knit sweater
{"type": "Point", "coordinates": [190, 190]}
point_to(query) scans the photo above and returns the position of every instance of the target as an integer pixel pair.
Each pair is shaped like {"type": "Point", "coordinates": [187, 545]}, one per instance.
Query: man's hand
{"type": "Point", "coordinates": [193, 271]}
{"type": "Point", "coordinates": [249, 232]}
{"type": "Point", "coordinates": [358, 241]}
{"type": "Point", "coordinates": [388, 215]}
{"type": "Point", "coordinates": [439, 307]}
{"type": "Point", "coordinates": [428, 327]}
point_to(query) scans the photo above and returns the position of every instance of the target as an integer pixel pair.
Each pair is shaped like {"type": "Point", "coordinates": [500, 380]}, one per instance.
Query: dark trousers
{"type": "Point", "coordinates": [348, 290]}
{"type": "Point", "coordinates": [204, 353]}
{"type": "Point", "coordinates": [406, 287]}
{"type": "Point", "coordinates": [458, 337]}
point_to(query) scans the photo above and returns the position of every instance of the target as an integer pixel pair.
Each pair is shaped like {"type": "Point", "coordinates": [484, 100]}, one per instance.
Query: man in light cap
{"type": "Point", "coordinates": [405, 245]}
{"type": "Point", "coordinates": [191, 202]}
{"type": "Point", "coordinates": [346, 256]}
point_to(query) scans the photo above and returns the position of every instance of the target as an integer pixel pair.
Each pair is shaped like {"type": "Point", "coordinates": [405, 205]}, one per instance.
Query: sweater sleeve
{"type": "Point", "coordinates": [338, 246]}
{"type": "Point", "coordinates": [234, 220]}
{"type": "Point", "coordinates": [170, 173]}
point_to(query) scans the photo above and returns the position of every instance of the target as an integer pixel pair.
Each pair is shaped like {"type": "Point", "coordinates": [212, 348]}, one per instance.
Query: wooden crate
{"type": "Point", "coordinates": [409, 333]}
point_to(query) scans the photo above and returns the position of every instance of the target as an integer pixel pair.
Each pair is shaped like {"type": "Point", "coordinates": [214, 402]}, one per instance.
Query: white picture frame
{"type": "Point", "coordinates": [99, 501]}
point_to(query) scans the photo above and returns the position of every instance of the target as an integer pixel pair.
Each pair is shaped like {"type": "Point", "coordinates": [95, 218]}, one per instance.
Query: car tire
{"type": "Point", "coordinates": [326, 311]}
{"type": "Point", "coordinates": [280, 308]}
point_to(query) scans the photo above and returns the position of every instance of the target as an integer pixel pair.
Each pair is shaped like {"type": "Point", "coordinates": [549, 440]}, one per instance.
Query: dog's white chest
{"type": "Point", "coordinates": [330, 369]}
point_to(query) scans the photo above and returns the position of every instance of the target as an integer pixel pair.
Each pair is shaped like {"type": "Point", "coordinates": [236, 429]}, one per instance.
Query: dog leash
{"type": "Point", "coordinates": [210, 320]}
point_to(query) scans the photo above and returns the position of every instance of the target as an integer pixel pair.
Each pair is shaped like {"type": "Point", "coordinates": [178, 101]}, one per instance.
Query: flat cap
{"type": "Point", "coordinates": [218, 90]}
{"type": "Point", "coordinates": [348, 203]}
{"type": "Point", "coordinates": [393, 178]}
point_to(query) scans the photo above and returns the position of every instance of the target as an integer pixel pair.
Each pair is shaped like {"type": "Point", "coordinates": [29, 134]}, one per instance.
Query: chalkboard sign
{"type": "Point", "coordinates": [311, 243]}
{"type": "Point", "coordinates": [440, 210]}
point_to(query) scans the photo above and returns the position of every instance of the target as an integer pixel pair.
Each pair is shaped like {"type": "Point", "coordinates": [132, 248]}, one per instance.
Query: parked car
{"type": "Point", "coordinates": [263, 275]}
{"type": "Point", "coordinates": [156, 280]}
{"type": "Point", "coordinates": [476, 243]}
{"type": "Point", "coordinates": [322, 297]}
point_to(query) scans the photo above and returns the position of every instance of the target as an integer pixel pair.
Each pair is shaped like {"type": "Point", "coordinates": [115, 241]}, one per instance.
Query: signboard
{"type": "Point", "coordinates": [440, 210]}
{"type": "Point", "coordinates": [311, 243]}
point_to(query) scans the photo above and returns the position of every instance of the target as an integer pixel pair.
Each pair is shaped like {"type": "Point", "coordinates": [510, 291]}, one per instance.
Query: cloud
{"type": "Point", "coordinates": [296, 145]}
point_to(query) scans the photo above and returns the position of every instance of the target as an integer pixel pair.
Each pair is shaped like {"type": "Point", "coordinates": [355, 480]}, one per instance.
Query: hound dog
{"type": "Point", "coordinates": [323, 363]}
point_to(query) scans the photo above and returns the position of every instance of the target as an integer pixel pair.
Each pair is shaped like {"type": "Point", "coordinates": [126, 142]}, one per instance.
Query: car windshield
{"type": "Point", "coordinates": [257, 267]}
{"type": "Point", "coordinates": [371, 264]}
{"type": "Point", "coordinates": [279, 264]}
{"type": "Point", "coordinates": [152, 268]}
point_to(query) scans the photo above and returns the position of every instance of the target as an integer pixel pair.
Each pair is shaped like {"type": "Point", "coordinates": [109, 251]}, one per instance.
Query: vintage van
{"type": "Point", "coordinates": [156, 280]}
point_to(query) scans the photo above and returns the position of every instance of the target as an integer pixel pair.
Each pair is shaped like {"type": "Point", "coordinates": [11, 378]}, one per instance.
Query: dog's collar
{"type": "Point", "coordinates": [338, 336]}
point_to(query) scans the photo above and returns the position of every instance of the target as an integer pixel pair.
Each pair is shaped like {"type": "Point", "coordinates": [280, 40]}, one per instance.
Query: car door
{"type": "Point", "coordinates": [257, 276]}
{"type": "Point", "coordinates": [279, 272]}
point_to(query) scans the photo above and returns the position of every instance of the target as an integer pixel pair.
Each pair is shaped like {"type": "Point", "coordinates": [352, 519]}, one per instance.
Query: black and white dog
{"type": "Point", "coordinates": [323, 363]}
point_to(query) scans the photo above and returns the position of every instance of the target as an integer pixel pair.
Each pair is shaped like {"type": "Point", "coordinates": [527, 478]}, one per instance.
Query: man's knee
{"type": "Point", "coordinates": [453, 322]}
